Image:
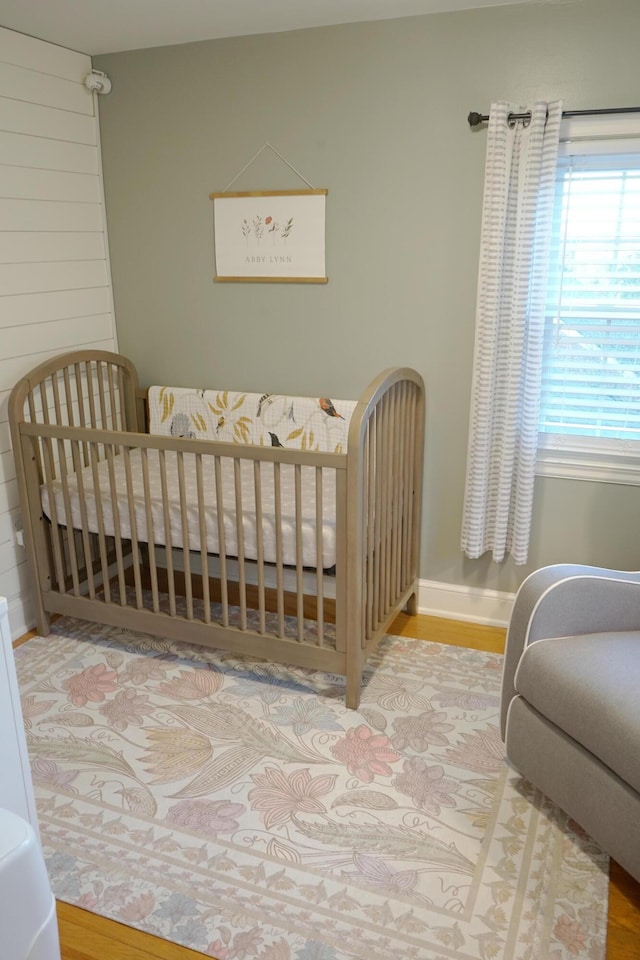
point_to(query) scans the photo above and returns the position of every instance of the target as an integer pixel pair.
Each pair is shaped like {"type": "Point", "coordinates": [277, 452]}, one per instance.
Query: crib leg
{"type": "Point", "coordinates": [42, 620]}
{"type": "Point", "coordinates": [354, 682]}
{"type": "Point", "coordinates": [411, 606]}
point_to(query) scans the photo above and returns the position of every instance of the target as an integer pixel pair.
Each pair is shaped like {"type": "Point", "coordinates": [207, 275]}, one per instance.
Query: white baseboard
{"type": "Point", "coordinates": [457, 602]}
{"type": "Point", "coordinates": [21, 616]}
{"type": "Point", "coordinates": [449, 600]}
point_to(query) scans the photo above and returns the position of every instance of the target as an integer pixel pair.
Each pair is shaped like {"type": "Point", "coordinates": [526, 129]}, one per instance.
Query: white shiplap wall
{"type": "Point", "coordinates": [55, 284]}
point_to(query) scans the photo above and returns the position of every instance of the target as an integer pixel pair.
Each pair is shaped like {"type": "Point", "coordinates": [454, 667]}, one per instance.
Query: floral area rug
{"type": "Point", "coordinates": [238, 808]}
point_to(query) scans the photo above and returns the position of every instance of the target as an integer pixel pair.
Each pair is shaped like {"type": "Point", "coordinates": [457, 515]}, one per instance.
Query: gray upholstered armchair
{"type": "Point", "coordinates": [571, 698]}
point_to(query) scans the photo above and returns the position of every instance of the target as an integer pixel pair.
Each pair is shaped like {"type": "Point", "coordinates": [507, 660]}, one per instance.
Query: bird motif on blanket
{"type": "Point", "coordinates": [328, 407]}
{"type": "Point", "coordinates": [180, 427]}
{"type": "Point", "coordinates": [263, 399]}
{"type": "Point", "coordinates": [267, 399]}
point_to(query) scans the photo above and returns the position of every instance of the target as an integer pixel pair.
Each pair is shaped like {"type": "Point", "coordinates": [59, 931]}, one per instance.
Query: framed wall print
{"type": "Point", "coordinates": [273, 236]}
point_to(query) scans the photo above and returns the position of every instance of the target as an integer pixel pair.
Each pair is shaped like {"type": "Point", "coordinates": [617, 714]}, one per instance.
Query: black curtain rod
{"type": "Point", "coordinates": [475, 119]}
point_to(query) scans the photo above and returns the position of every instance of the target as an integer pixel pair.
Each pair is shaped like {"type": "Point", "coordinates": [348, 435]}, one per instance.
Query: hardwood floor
{"type": "Point", "coordinates": [85, 936]}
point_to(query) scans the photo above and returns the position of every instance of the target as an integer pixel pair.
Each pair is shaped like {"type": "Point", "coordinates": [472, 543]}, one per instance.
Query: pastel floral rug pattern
{"type": "Point", "coordinates": [238, 808]}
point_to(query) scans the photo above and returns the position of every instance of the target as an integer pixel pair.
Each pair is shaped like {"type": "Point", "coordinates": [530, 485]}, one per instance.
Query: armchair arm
{"type": "Point", "coordinates": [565, 600]}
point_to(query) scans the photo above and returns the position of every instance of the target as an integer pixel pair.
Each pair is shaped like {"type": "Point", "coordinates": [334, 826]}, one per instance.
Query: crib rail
{"type": "Point", "coordinates": [102, 549]}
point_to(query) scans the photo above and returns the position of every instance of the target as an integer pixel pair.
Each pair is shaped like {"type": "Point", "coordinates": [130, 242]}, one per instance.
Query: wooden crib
{"type": "Point", "coordinates": [138, 530]}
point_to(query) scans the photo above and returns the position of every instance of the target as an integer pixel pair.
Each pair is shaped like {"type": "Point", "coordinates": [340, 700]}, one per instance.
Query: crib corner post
{"type": "Point", "coordinates": [42, 622]}
{"type": "Point", "coordinates": [411, 606]}
{"type": "Point", "coordinates": [354, 682]}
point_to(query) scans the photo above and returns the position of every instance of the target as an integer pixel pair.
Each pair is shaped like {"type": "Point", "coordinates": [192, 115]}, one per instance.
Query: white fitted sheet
{"type": "Point", "coordinates": [136, 512]}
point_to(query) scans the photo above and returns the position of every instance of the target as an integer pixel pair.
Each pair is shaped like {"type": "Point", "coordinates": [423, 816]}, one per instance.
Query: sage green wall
{"type": "Point", "coordinates": [375, 112]}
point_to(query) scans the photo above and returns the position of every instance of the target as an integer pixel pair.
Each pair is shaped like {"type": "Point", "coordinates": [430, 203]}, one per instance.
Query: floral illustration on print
{"type": "Point", "coordinates": [277, 232]}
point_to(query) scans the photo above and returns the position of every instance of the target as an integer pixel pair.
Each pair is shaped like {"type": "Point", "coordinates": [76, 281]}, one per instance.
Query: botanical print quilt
{"type": "Point", "coordinates": [238, 808]}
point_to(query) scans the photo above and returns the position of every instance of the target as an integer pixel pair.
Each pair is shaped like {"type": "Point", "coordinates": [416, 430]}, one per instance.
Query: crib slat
{"type": "Point", "coordinates": [81, 411]}
{"type": "Point", "coordinates": [242, 579]}
{"type": "Point", "coordinates": [409, 472]}
{"type": "Point", "coordinates": [77, 379]}
{"type": "Point", "coordinates": [204, 558]}
{"type": "Point", "coordinates": [299, 565]}
{"type": "Point", "coordinates": [57, 407]}
{"type": "Point", "coordinates": [88, 366]}
{"type": "Point", "coordinates": [69, 390]}
{"type": "Point", "coordinates": [393, 504]}
{"type": "Point", "coordinates": [122, 417]}
{"type": "Point", "coordinates": [222, 543]}
{"type": "Point", "coordinates": [386, 498]}
{"type": "Point", "coordinates": [384, 551]}
{"type": "Point", "coordinates": [55, 389]}
{"type": "Point", "coordinates": [117, 529]}
{"type": "Point", "coordinates": [319, 558]}
{"type": "Point", "coordinates": [56, 536]}
{"type": "Point", "coordinates": [48, 463]}
{"type": "Point", "coordinates": [102, 546]}
{"type": "Point", "coordinates": [171, 586]}
{"type": "Point", "coordinates": [344, 526]}
{"type": "Point", "coordinates": [414, 470]}
{"type": "Point", "coordinates": [185, 535]}
{"type": "Point", "coordinates": [71, 533]}
{"type": "Point", "coordinates": [68, 394]}
{"type": "Point", "coordinates": [396, 433]}
{"type": "Point", "coordinates": [277, 496]}
{"type": "Point", "coordinates": [257, 481]}
{"type": "Point", "coordinates": [368, 548]}
{"type": "Point", "coordinates": [32, 406]}
{"type": "Point", "coordinates": [380, 493]}
{"type": "Point", "coordinates": [409, 431]}
{"type": "Point", "coordinates": [393, 467]}
{"type": "Point", "coordinates": [377, 521]}
{"type": "Point", "coordinates": [112, 397]}
{"type": "Point", "coordinates": [150, 532]}
{"type": "Point", "coordinates": [133, 526]}
{"type": "Point", "coordinates": [84, 521]}
{"type": "Point", "coordinates": [368, 520]}
{"type": "Point", "coordinates": [399, 490]}
{"type": "Point", "coordinates": [102, 395]}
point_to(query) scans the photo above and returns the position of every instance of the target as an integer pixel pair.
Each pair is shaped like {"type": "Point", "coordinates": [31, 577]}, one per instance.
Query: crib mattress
{"type": "Point", "coordinates": [133, 510]}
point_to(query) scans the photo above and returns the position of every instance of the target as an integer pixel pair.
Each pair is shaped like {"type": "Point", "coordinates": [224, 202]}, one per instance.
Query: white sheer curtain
{"type": "Point", "coordinates": [514, 250]}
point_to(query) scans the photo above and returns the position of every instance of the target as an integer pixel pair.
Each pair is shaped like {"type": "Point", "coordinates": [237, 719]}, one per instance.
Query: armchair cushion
{"type": "Point", "coordinates": [589, 687]}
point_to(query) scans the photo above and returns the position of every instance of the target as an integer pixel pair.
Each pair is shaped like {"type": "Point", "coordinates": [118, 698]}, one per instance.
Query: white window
{"type": "Point", "coordinates": [590, 402]}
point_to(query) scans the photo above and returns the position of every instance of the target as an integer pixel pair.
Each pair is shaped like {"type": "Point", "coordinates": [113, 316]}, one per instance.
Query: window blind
{"type": "Point", "coordinates": [591, 365]}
